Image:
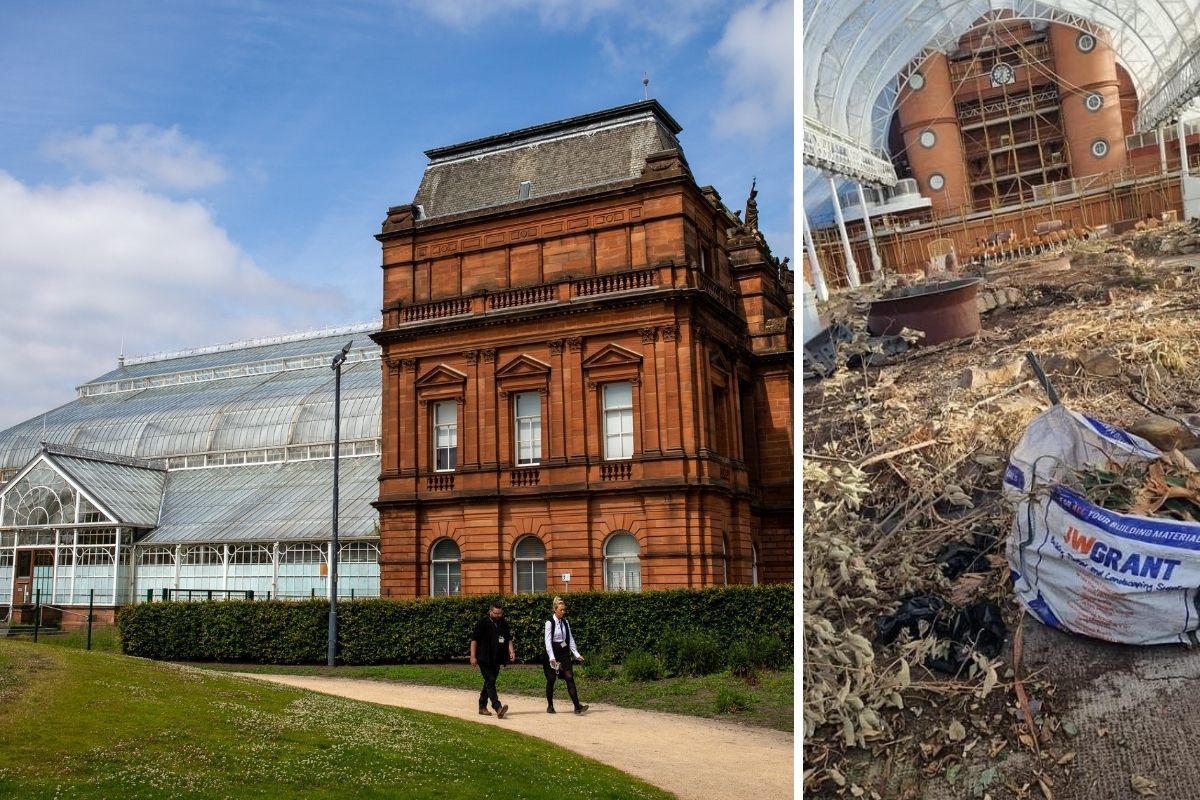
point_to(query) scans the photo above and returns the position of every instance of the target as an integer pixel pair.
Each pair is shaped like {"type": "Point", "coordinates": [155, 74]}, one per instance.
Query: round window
{"type": "Point", "coordinates": [1100, 148]}
{"type": "Point", "coordinates": [928, 138]}
{"type": "Point", "coordinates": [936, 181]}
{"type": "Point", "coordinates": [1094, 101]}
{"type": "Point", "coordinates": [916, 81]}
{"type": "Point", "coordinates": [1085, 42]}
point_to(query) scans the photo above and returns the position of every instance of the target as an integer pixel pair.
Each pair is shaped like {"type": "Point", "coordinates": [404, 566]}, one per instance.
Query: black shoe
{"type": "Point", "coordinates": [580, 709]}
{"type": "Point", "coordinates": [550, 710]}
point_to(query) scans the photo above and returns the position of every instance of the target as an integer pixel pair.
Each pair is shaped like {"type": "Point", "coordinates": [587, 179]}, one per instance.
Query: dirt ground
{"type": "Point", "coordinates": [693, 758]}
{"type": "Point", "coordinates": [906, 457]}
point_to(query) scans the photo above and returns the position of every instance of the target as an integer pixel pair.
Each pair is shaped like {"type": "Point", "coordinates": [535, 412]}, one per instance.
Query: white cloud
{"type": "Point", "coordinates": [88, 265]}
{"type": "Point", "coordinates": [671, 20]}
{"type": "Point", "coordinates": [757, 49]}
{"type": "Point", "coordinates": [160, 157]}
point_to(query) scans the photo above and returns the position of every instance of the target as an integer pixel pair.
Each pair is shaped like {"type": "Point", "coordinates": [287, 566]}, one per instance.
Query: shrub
{"type": "Point", "coordinates": [438, 629]}
{"type": "Point", "coordinates": [742, 660]}
{"type": "Point", "coordinates": [598, 666]}
{"type": "Point", "coordinates": [746, 656]}
{"type": "Point", "coordinates": [730, 700]}
{"type": "Point", "coordinates": [641, 666]}
{"type": "Point", "coordinates": [691, 652]}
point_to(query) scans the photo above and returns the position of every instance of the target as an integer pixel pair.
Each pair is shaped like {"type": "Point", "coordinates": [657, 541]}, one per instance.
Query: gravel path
{"type": "Point", "coordinates": [696, 759]}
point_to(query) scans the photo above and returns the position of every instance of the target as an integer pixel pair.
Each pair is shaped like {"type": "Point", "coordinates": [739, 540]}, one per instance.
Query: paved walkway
{"type": "Point", "coordinates": [696, 759]}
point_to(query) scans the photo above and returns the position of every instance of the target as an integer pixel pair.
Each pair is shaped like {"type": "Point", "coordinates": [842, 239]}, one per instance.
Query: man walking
{"type": "Point", "coordinates": [488, 644]}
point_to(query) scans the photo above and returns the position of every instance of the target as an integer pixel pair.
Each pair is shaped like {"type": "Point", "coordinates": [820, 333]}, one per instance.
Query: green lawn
{"type": "Point", "coordinates": [97, 725]}
{"type": "Point", "coordinates": [769, 701]}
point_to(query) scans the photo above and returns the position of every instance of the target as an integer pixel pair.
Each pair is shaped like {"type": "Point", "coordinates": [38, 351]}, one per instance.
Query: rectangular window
{"type": "Point", "coordinates": [618, 420]}
{"type": "Point", "coordinates": [445, 436]}
{"type": "Point", "coordinates": [527, 411]}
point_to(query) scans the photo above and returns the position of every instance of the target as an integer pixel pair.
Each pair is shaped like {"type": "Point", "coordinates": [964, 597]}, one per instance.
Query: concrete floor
{"type": "Point", "coordinates": [1146, 698]}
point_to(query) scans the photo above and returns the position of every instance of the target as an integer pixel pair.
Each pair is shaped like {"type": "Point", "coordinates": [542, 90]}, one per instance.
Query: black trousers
{"type": "Point", "coordinates": [488, 692]}
{"type": "Point", "coordinates": [562, 654]}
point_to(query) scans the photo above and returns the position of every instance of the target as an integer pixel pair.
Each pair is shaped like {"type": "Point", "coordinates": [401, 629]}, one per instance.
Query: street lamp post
{"type": "Point", "coordinates": [333, 547]}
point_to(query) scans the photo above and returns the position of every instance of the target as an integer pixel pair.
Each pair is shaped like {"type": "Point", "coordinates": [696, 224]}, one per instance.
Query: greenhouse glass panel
{"type": "Point", "coordinates": [300, 568]}
{"type": "Point", "coordinates": [41, 497]}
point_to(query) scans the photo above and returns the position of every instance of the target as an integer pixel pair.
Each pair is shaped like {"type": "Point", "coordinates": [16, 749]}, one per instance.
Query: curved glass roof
{"type": "Point", "coordinates": [854, 49]}
{"type": "Point", "coordinates": [274, 401]}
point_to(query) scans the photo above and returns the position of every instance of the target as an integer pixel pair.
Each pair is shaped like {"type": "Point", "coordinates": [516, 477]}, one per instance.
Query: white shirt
{"type": "Point", "coordinates": [555, 632]}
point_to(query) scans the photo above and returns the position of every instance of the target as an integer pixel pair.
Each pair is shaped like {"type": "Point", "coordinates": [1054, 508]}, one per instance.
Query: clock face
{"type": "Point", "coordinates": [916, 81]}
{"type": "Point", "coordinates": [1086, 43]}
{"type": "Point", "coordinates": [1001, 74]}
{"type": "Point", "coordinates": [936, 181]}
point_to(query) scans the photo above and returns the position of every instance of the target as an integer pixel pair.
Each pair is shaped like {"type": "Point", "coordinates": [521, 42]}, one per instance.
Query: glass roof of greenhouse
{"type": "Point", "coordinates": [277, 395]}
{"type": "Point", "coordinates": [222, 444]}
{"type": "Point", "coordinates": [268, 502]}
{"type": "Point", "coordinates": [855, 50]}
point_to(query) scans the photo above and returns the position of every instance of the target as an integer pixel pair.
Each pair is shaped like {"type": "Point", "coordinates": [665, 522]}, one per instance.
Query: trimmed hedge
{"type": "Point", "coordinates": [439, 629]}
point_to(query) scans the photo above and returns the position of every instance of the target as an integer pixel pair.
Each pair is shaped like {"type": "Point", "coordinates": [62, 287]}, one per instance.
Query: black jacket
{"type": "Point", "coordinates": [491, 638]}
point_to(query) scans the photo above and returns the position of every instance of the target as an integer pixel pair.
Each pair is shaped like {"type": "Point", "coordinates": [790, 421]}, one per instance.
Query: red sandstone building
{"type": "Point", "coordinates": [588, 371]}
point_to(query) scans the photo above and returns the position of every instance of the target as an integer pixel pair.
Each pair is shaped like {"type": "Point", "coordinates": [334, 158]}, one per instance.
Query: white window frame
{"type": "Point", "coordinates": [525, 565]}
{"type": "Point", "coordinates": [447, 429]}
{"type": "Point", "coordinates": [451, 569]}
{"type": "Point", "coordinates": [618, 422]}
{"type": "Point", "coordinates": [630, 565]}
{"type": "Point", "coordinates": [527, 430]}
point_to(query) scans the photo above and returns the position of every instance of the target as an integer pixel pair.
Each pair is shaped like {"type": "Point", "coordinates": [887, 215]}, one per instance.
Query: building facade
{"type": "Point", "coordinates": [587, 371]}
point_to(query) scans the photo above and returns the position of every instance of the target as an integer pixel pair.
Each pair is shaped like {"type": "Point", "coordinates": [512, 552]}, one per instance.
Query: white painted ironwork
{"type": "Point", "coordinates": [851, 266]}
{"type": "Point", "coordinates": [838, 154]}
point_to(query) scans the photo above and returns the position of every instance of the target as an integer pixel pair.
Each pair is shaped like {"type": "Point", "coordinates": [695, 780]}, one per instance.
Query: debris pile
{"type": "Point", "coordinates": [902, 468]}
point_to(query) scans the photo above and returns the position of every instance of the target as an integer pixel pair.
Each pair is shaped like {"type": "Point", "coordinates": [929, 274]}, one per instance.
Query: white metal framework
{"type": "Point", "coordinates": [854, 50]}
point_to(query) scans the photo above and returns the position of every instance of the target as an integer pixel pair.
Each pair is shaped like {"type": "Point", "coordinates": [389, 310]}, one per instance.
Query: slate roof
{"type": "Point", "coordinates": [584, 152]}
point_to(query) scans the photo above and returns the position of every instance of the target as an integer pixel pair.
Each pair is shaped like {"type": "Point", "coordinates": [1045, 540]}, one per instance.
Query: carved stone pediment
{"type": "Point", "coordinates": [523, 366]}
{"type": "Point", "coordinates": [440, 376]}
{"type": "Point", "coordinates": [613, 355]}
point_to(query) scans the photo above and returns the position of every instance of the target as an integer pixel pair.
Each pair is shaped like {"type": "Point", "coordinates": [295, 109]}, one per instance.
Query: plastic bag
{"type": "Point", "coordinates": [1085, 569]}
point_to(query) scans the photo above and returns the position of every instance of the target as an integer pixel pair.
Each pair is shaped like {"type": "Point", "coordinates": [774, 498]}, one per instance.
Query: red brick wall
{"type": "Point", "coordinates": [688, 495]}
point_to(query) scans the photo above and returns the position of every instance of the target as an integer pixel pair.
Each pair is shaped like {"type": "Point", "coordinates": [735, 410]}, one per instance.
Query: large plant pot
{"type": "Point", "coordinates": [944, 311]}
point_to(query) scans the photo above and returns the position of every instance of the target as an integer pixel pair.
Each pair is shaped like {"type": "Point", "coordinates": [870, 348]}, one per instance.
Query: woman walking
{"type": "Point", "coordinates": [560, 650]}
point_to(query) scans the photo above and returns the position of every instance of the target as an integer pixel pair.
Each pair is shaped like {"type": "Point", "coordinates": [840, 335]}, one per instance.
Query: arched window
{"type": "Point", "coordinates": [444, 571]}
{"type": "Point", "coordinates": [529, 565]}
{"type": "Point", "coordinates": [622, 568]}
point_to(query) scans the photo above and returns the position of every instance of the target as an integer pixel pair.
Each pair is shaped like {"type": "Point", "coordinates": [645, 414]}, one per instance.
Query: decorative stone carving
{"type": "Point", "coordinates": [649, 335]}
{"type": "Point", "coordinates": [399, 217]}
{"type": "Point", "coordinates": [751, 223]}
{"type": "Point", "coordinates": [393, 365]}
{"type": "Point", "coordinates": [408, 364]}
{"type": "Point", "coordinates": [575, 343]}
{"type": "Point", "coordinates": [489, 355]}
{"type": "Point", "coordinates": [556, 346]}
{"type": "Point", "coordinates": [471, 356]}
{"type": "Point", "coordinates": [592, 385]}
{"type": "Point", "coordinates": [670, 332]}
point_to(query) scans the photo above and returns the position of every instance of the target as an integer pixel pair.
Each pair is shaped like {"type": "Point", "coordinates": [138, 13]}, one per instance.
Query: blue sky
{"type": "Point", "coordinates": [181, 174]}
